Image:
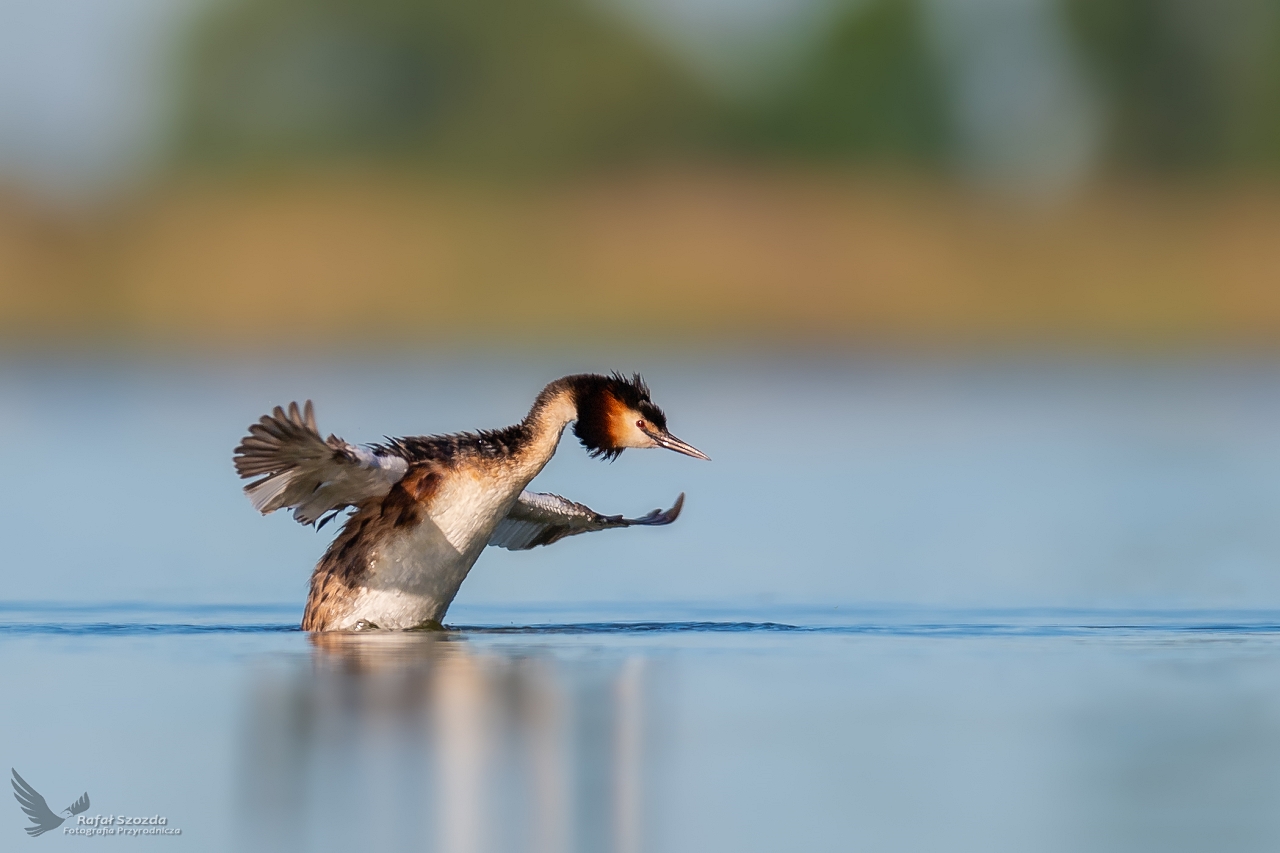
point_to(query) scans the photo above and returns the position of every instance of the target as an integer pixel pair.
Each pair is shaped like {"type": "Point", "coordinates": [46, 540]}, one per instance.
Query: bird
{"type": "Point", "coordinates": [421, 509]}
{"type": "Point", "coordinates": [42, 817]}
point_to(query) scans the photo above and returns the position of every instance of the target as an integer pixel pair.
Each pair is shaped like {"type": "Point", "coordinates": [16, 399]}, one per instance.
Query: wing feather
{"type": "Point", "coordinates": [540, 519]}
{"type": "Point", "coordinates": [310, 475]}
{"type": "Point", "coordinates": [80, 805]}
{"type": "Point", "coordinates": [31, 802]}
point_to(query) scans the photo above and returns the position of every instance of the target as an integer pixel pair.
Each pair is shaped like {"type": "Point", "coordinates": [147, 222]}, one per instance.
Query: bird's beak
{"type": "Point", "coordinates": [670, 442]}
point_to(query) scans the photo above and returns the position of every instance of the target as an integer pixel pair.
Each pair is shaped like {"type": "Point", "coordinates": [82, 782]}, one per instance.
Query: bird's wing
{"type": "Point", "coordinates": [540, 519]}
{"type": "Point", "coordinates": [309, 474]}
{"type": "Point", "coordinates": [80, 805]}
{"type": "Point", "coordinates": [34, 805]}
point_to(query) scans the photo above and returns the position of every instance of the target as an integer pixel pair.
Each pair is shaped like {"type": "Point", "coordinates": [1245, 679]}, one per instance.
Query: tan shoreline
{"type": "Point", "coordinates": [791, 257]}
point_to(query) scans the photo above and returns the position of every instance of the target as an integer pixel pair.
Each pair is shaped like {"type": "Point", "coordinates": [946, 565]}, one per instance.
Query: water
{"type": "Point", "coordinates": [909, 607]}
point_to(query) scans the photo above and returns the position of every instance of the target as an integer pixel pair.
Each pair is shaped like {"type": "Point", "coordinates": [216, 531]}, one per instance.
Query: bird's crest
{"type": "Point", "coordinates": [605, 402]}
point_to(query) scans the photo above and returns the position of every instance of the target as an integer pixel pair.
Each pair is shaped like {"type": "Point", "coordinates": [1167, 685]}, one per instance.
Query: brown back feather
{"type": "Point", "coordinates": [341, 571]}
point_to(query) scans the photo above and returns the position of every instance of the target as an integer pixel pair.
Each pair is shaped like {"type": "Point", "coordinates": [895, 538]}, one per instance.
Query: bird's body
{"type": "Point", "coordinates": [413, 549]}
{"type": "Point", "coordinates": [426, 507]}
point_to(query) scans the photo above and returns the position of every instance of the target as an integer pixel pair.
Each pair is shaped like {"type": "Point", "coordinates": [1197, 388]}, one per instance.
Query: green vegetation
{"type": "Point", "coordinates": [869, 89]}
{"type": "Point", "coordinates": [493, 84]}
{"type": "Point", "coordinates": [1188, 84]}
{"type": "Point", "coordinates": [484, 82]}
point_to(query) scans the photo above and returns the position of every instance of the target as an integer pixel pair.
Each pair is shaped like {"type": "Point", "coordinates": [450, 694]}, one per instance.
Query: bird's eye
{"type": "Point", "coordinates": [641, 424]}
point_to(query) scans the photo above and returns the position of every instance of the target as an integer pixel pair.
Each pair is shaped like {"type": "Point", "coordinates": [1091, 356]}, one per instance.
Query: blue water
{"type": "Point", "coordinates": [910, 606]}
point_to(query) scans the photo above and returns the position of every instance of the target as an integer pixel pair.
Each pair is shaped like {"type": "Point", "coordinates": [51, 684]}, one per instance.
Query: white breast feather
{"type": "Point", "coordinates": [415, 576]}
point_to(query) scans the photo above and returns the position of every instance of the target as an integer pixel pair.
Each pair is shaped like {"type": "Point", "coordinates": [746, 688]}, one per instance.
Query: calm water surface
{"type": "Point", "coordinates": [909, 607]}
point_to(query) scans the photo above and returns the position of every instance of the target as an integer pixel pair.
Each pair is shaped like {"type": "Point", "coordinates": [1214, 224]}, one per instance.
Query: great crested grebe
{"type": "Point", "coordinates": [426, 506]}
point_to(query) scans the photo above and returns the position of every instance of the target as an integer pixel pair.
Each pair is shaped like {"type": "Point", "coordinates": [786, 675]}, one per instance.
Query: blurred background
{"type": "Point", "coordinates": [1001, 276]}
{"type": "Point", "coordinates": [974, 303]}
{"type": "Point", "coordinates": [817, 173]}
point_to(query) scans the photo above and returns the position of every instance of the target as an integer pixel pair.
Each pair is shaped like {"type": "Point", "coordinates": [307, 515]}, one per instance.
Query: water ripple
{"type": "Point", "coordinates": [144, 619]}
{"type": "Point", "coordinates": [97, 629]}
{"type": "Point", "coordinates": [895, 629]}
{"type": "Point", "coordinates": [936, 630]}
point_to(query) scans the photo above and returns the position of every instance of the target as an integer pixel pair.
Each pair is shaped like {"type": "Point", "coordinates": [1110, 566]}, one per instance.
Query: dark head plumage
{"type": "Point", "coordinates": [601, 401]}
{"type": "Point", "coordinates": [616, 412]}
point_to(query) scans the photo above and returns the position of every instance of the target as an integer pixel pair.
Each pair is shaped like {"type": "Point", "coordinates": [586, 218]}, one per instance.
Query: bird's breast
{"type": "Point", "coordinates": [468, 506]}
{"type": "Point", "coordinates": [416, 571]}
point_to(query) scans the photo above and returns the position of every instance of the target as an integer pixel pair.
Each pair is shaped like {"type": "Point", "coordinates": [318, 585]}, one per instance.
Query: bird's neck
{"type": "Point", "coordinates": [555, 408]}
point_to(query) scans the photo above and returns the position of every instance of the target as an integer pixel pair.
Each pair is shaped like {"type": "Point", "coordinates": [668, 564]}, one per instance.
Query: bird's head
{"type": "Point", "coordinates": [615, 413]}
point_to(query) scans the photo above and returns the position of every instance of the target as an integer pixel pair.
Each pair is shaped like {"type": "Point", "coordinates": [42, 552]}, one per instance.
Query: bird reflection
{"type": "Point", "coordinates": [428, 741]}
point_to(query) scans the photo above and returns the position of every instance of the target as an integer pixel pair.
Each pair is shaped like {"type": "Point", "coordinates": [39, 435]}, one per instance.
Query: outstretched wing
{"type": "Point", "coordinates": [306, 473]}
{"type": "Point", "coordinates": [540, 519]}
{"type": "Point", "coordinates": [80, 805]}
{"type": "Point", "coordinates": [35, 806]}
